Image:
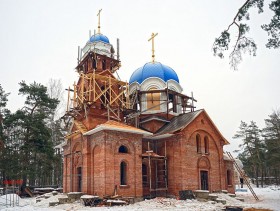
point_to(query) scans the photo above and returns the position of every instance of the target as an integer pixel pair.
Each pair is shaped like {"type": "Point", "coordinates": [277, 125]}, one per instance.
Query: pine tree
{"type": "Point", "coordinates": [253, 149]}
{"type": "Point", "coordinates": [32, 139]}
{"type": "Point", "coordinates": [3, 113]}
{"type": "Point", "coordinates": [272, 141]}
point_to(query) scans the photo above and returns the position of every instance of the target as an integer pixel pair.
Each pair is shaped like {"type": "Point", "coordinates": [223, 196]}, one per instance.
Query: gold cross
{"type": "Point", "coordinates": [98, 14]}
{"type": "Point", "coordinates": [153, 46]}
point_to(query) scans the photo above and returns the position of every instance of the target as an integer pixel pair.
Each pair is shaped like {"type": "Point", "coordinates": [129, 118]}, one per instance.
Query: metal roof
{"type": "Point", "coordinates": [178, 122]}
{"type": "Point", "coordinates": [99, 37]}
{"type": "Point", "coordinates": [153, 117]}
{"type": "Point", "coordinates": [183, 120]}
{"type": "Point", "coordinates": [153, 70]}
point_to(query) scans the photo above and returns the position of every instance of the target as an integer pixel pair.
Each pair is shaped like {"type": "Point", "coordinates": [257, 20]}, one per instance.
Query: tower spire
{"type": "Point", "coordinates": [98, 14]}
{"type": "Point", "coordinates": [153, 45]}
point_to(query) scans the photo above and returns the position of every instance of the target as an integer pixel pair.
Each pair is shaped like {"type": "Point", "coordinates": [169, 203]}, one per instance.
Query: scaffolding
{"type": "Point", "coordinates": [157, 171]}
{"type": "Point", "coordinates": [96, 90]}
{"type": "Point", "coordinates": [98, 93]}
{"type": "Point", "coordinates": [172, 101]}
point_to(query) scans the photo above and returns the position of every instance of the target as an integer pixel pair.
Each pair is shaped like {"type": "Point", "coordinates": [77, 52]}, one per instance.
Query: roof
{"type": "Point", "coordinates": [153, 69]}
{"type": "Point", "coordinates": [153, 117]}
{"type": "Point", "coordinates": [117, 126]}
{"type": "Point", "coordinates": [178, 122]}
{"type": "Point", "coordinates": [99, 37]}
{"type": "Point", "coordinates": [183, 120]}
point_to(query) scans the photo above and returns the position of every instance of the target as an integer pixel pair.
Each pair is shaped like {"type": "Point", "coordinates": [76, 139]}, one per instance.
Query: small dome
{"type": "Point", "coordinates": [153, 69]}
{"type": "Point", "coordinates": [99, 37]}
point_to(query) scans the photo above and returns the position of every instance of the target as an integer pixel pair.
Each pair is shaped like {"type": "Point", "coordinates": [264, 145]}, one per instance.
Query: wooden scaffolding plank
{"type": "Point", "coordinates": [70, 135]}
{"type": "Point", "coordinates": [80, 126]}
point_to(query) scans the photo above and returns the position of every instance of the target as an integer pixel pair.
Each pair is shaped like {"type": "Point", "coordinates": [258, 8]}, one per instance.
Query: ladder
{"type": "Point", "coordinates": [243, 176]}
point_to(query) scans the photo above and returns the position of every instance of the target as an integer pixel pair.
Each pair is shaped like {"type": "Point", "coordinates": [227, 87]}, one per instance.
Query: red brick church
{"type": "Point", "coordinates": [143, 138]}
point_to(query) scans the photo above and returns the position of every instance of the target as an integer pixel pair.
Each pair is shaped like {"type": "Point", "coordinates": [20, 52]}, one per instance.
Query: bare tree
{"type": "Point", "coordinates": [55, 90]}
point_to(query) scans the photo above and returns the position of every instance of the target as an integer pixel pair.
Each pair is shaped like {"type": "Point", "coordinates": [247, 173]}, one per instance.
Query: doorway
{"type": "Point", "coordinates": [79, 177]}
{"type": "Point", "coordinates": [204, 180]}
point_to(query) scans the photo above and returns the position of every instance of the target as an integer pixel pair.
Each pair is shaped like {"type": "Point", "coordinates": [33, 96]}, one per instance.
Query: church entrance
{"type": "Point", "coordinates": [79, 177]}
{"type": "Point", "coordinates": [204, 180]}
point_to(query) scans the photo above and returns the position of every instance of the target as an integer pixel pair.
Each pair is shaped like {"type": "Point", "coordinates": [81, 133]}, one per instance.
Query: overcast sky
{"type": "Point", "coordinates": [39, 41]}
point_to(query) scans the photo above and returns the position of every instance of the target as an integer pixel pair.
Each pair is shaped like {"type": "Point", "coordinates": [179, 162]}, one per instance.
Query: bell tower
{"type": "Point", "coordinates": [98, 95]}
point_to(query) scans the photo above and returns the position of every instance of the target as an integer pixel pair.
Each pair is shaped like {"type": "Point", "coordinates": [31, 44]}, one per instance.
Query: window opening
{"type": "Point", "coordinates": [206, 144]}
{"type": "Point", "coordinates": [123, 173]}
{"type": "Point", "coordinates": [123, 149]}
{"type": "Point", "coordinates": [153, 100]}
{"type": "Point", "coordinates": [198, 144]}
{"type": "Point", "coordinates": [104, 64]}
{"type": "Point", "coordinates": [94, 63]}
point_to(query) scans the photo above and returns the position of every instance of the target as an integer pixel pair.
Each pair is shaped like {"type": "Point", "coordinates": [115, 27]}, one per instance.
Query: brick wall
{"type": "Point", "coordinates": [185, 163]}
{"type": "Point", "coordinates": [100, 161]}
{"type": "Point", "coordinates": [101, 164]}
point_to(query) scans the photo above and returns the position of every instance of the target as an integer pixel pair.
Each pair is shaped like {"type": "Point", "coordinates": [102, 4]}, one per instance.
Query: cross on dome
{"type": "Point", "coordinates": [98, 14]}
{"type": "Point", "coordinates": [152, 70]}
{"type": "Point", "coordinates": [153, 45]}
{"type": "Point", "coordinates": [98, 36]}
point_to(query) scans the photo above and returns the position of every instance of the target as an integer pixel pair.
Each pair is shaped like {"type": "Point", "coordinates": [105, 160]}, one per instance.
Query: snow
{"type": "Point", "coordinates": [88, 197]}
{"type": "Point", "coordinates": [269, 198]}
{"type": "Point", "coordinates": [42, 189]}
{"type": "Point", "coordinates": [11, 200]}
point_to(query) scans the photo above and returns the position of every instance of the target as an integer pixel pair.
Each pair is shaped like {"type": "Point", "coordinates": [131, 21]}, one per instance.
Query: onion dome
{"type": "Point", "coordinates": [99, 37]}
{"type": "Point", "coordinates": [153, 70]}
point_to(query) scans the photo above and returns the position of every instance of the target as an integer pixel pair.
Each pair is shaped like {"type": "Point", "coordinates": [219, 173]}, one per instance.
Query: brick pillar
{"type": "Point", "coordinates": [86, 166]}
{"type": "Point", "coordinates": [65, 182]}
{"type": "Point", "coordinates": [98, 171]}
{"type": "Point", "coordinates": [138, 169]}
{"type": "Point", "coordinates": [86, 174]}
{"type": "Point", "coordinates": [109, 167]}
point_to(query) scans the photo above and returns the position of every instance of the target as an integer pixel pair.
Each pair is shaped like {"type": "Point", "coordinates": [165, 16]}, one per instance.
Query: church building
{"type": "Point", "coordinates": [142, 139]}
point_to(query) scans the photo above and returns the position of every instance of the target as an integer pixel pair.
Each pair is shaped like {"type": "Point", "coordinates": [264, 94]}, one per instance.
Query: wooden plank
{"type": "Point", "coordinates": [28, 191]}
{"type": "Point", "coordinates": [75, 94]}
{"type": "Point", "coordinates": [159, 189]}
{"type": "Point", "coordinates": [68, 100]}
{"type": "Point", "coordinates": [71, 134]}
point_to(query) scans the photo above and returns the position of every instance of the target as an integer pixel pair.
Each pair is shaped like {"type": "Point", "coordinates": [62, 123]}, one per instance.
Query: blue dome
{"type": "Point", "coordinates": [155, 69]}
{"type": "Point", "coordinates": [99, 37]}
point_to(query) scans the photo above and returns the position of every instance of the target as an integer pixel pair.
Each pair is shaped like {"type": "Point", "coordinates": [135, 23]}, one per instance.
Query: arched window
{"type": "Point", "coordinates": [229, 182]}
{"type": "Point", "coordinates": [104, 64]}
{"type": "Point", "coordinates": [206, 144]}
{"type": "Point", "coordinates": [123, 149]}
{"type": "Point", "coordinates": [94, 64]}
{"type": "Point", "coordinates": [173, 102]}
{"type": "Point", "coordinates": [153, 100]}
{"type": "Point", "coordinates": [123, 173]}
{"type": "Point", "coordinates": [198, 143]}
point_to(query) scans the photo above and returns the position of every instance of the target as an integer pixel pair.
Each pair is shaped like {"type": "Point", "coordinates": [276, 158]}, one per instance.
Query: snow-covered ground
{"type": "Point", "coordinates": [269, 198]}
